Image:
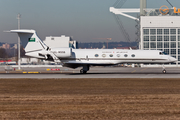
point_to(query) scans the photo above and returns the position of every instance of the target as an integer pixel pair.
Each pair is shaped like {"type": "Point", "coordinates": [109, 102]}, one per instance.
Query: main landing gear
{"type": "Point", "coordinates": [84, 69]}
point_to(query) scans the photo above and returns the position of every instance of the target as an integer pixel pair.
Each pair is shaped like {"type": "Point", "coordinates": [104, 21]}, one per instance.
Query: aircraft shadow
{"type": "Point", "coordinates": [122, 73]}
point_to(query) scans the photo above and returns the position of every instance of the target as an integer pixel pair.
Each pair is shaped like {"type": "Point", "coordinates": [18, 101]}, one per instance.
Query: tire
{"type": "Point", "coordinates": [83, 71]}
{"type": "Point", "coordinates": [164, 71]}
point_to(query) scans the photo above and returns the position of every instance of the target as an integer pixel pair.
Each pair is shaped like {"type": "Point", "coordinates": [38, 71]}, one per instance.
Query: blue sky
{"type": "Point", "coordinates": [82, 19]}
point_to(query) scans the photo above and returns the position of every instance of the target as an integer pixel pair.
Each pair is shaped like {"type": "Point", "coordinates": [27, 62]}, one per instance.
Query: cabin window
{"type": "Point", "coordinates": [96, 55]}
{"type": "Point", "coordinates": [133, 55]}
{"type": "Point", "coordinates": [111, 55]}
{"type": "Point", "coordinates": [125, 55]}
{"type": "Point", "coordinates": [118, 55]}
{"type": "Point", "coordinates": [103, 55]}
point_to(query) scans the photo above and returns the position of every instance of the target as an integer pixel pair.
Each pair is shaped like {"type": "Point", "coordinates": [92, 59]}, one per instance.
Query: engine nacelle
{"type": "Point", "coordinates": [62, 52]}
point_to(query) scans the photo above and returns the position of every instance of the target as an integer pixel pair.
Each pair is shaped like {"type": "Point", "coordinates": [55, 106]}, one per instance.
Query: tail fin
{"type": "Point", "coordinates": [30, 39]}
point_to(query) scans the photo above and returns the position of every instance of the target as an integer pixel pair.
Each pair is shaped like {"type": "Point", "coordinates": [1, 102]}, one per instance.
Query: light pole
{"type": "Point", "coordinates": [19, 46]}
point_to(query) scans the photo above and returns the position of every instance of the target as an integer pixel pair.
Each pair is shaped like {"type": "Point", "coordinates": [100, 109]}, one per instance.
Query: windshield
{"type": "Point", "coordinates": [162, 53]}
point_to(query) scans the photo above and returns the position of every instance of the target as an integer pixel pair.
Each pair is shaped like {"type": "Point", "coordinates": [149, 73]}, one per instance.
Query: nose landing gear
{"type": "Point", "coordinates": [163, 71]}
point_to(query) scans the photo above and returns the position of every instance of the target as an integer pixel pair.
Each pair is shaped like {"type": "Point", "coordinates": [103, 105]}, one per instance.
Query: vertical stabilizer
{"type": "Point", "coordinates": [30, 40]}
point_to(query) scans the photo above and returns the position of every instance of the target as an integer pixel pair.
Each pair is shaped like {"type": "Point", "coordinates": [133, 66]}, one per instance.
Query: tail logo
{"type": "Point", "coordinates": [32, 39]}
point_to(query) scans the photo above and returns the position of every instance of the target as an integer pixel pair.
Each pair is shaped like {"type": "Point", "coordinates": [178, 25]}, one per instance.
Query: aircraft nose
{"type": "Point", "coordinates": [172, 59]}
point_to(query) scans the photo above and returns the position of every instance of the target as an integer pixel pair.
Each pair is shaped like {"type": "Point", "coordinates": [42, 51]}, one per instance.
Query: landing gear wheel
{"type": "Point", "coordinates": [83, 71]}
{"type": "Point", "coordinates": [164, 71]}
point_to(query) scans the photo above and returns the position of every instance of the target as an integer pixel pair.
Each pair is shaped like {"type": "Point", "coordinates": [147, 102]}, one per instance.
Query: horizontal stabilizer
{"type": "Point", "coordinates": [23, 31]}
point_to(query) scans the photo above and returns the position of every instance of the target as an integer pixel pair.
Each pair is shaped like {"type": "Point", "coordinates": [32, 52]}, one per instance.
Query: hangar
{"type": "Point", "coordinates": [159, 28]}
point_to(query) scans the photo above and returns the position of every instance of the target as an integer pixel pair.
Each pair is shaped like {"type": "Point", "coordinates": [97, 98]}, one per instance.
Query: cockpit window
{"type": "Point", "coordinates": [162, 53]}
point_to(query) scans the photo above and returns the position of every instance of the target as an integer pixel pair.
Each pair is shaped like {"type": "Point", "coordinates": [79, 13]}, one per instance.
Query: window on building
{"type": "Point", "coordinates": [179, 51]}
{"type": "Point", "coordinates": [152, 31]}
{"type": "Point", "coordinates": [174, 56]}
{"type": "Point", "coordinates": [160, 49]}
{"type": "Point", "coordinates": [153, 45]}
{"type": "Point", "coordinates": [178, 44]}
{"type": "Point", "coordinates": [146, 31]}
{"type": "Point", "coordinates": [159, 38]}
{"type": "Point", "coordinates": [178, 31]}
{"type": "Point", "coordinates": [166, 44]}
{"type": "Point", "coordinates": [173, 51]}
{"type": "Point", "coordinates": [173, 38]}
{"type": "Point", "coordinates": [173, 44]}
{"type": "Point", "coordinates": [166, 31]}
{"type": "Point", "coordinates": [153, 38]}
{"type": "Point", "coordinates": [159, 45]}
{"type": "Point", "coordinates": [173, 31]}
{"type": "Point", "coordinates": [166, 51]}
{"type": "Point", "coordinates": [166, 38]}
{"type": "Point", "coordinates": [146, 44]}
{"type": "Point", "coordinates": [178, 58]}
{"type": "Point", "coordinates": [146, 38]}
{"type": "Point", "coordinates": [178, 38]}
{"type": "Point", "coordinates": [159, 31]}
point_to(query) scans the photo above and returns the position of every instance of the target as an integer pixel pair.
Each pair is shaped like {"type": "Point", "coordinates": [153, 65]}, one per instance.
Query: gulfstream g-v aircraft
{"type": "Point", "coordinates": [85, 58]}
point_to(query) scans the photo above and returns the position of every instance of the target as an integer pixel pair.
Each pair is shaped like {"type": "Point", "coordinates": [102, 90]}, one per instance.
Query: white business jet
{"type": "Point", "coordinates": [85, 58]}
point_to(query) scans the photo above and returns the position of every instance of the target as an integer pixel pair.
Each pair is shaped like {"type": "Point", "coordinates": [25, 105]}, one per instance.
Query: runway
{"type": "Point", "coordinates": [95, 72]}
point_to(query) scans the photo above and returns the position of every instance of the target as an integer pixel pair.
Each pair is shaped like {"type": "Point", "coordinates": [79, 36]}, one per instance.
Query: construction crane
{"type": "Point", "coordinates": [119, 4]}
{"type": "Point", "coordinates": [104, 39]}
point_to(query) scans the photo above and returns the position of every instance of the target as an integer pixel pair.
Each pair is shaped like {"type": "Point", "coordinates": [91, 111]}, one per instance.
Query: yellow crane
{"type": "Point", "coordinates": [105, 39]}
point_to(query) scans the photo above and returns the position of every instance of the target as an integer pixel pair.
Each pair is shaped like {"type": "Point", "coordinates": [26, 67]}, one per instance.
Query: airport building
{"type": "Point", "coordinates": [60, 41]}
{"type": "Point", "coordinates": [161, 32]}
{"type": "Point", "coordinates": [159, 28]}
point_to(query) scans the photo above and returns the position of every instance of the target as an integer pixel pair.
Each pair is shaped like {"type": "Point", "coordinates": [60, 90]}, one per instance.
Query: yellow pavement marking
{"type": "Point", "coordinates": [33, 72]}
{"type": "Point", "coordinates": [133, 71]}
{"type": "Point", "coordinates": [30, 72]}
{"type": "Point", "coordinates": [143, 69]}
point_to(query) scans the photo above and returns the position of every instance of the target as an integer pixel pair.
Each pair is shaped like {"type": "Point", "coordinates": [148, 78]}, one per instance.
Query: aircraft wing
{"type": "Point", "coordinates": [75, 64]}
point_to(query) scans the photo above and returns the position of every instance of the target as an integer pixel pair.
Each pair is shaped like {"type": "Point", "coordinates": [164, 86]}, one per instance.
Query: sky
{"type": "Point", "coordinates": [84, 20]}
